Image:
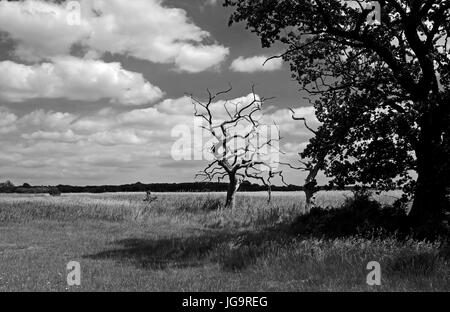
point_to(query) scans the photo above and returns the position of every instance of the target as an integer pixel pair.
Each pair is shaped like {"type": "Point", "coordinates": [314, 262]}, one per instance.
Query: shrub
{"type": "Point", "coordinates": [54, 191]}
{"type": "Point", "coordinates": [7, 187]}
{"type": "Point", "coordinates": [360, 215]}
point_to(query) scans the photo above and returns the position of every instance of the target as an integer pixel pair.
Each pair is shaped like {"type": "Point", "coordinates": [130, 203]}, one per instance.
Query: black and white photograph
{"type": "Point", "coordinates": [235, 148]}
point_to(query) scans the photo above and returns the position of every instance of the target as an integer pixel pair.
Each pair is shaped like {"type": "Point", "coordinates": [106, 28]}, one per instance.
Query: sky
{"type": "Point", "coordinates": [92, 91]}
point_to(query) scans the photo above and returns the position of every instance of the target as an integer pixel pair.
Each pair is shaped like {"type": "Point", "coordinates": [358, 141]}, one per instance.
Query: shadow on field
{"type": "Point", "coordinates": [232, 251]}
{"type": "Point", "coordinates": [361, 217]}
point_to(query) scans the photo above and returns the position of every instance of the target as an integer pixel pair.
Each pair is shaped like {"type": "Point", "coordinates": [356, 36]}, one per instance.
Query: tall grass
{"type": "Point", "coordinates": [252, 209]}
{"type": "Point", "coordinates": [206, 209]}
{"type": "Point", "coordinates": [189, 242]}
{"type": "Point", "coordinates": [65, 208]}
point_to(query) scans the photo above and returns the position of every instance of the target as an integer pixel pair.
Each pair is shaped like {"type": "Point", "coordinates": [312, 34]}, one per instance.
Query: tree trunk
{"type": "Point", "coordinates": [310, 183]}
{"type": "Point", "coordinates": [233, 186]}
{"type": "Point", "coordinates": [430, 198]}
{"type": "Point", "coordinates": [269, 193]}
{"type": "Point", "coordinates": [308, 203]}
{"type": "Point", "coordinates": [309, 189]}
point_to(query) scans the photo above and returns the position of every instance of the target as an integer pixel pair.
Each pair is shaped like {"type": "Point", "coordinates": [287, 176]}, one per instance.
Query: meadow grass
{"type": "Point", "coordinates": [183, 242]}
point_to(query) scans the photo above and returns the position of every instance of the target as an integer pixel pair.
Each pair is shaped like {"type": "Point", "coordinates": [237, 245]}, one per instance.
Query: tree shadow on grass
{"type": "Point", "coordinates": [232, 251]}
{"type": "Point", "coordinates": [361, 217]}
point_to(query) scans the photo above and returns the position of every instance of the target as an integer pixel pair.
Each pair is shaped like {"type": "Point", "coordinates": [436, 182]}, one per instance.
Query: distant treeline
{"type": "Point", "coordinates": [172, 187]}
{"type": "Point", "coordinates": [8, 187]}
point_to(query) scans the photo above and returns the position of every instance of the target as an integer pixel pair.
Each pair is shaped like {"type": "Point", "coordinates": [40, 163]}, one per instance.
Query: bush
{"type": "Point", "coordinates": [360, 215]}
{"type": "Point", "coordinates": [54, 191]}
{"type": "Point", "coordinates": [7, 187]}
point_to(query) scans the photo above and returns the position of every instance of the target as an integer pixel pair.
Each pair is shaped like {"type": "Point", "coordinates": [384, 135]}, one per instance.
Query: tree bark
{"type": "Point", "coordinates": [269, 193]}
{"type": "Point", "coordinates": [430, 198]}
{"type": "Point", "coordinates": [309, 189]}
{"type": "Point", "coordinates": [233, 186]}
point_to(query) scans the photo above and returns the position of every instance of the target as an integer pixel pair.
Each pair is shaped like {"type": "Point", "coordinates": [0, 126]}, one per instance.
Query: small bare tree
{"type": "Point", "coordinates": [149, 197]}
{"type": "Point", "coordinates": [312, 167]}
{"type": "Point", "coordinates": [242, 148]}
{"type": "Point", "coordinates": [268, 182]}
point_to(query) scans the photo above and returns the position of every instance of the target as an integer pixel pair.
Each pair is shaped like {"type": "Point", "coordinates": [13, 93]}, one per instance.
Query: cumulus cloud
{"type": "Point", "coordinates": [144, 29]}
{"type": "Point", "coordinates": [6, 117]}
{"type": "Point", "coordinates": [255, 64]}
{"type": "Point", "coordinates": [199, 58]}
{"type": "Point", "coordinates": [39, 28]}
{"type": "Point", "coordinates": [64, 136]}
{"type": "Point", "coordinates": [7, 120]}
{"type": "Point", "coordinates": [92, 124]}
{"type": "Point", "coordinates": [57, 146]}
{"type": "Point", "coordinates": [145, 116]}
{"type": "Point", "coordinates": [122, 136]}
{"type": "Point", "coordinates": [288, 126]}
{"type": "Point", "coordinates": [47, 120]}
{"type": "Point", "coordinates": [76, 79]}
{"type": "Point", "coordinates": [182, 105]}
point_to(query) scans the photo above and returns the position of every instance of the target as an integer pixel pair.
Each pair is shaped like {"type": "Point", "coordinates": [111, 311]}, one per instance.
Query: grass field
{"type": "Point", "coordinates": [179, 243]}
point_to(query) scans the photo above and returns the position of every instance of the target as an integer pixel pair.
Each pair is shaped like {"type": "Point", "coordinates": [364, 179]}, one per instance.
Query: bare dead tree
{"type": "Point", "coordinates": [240, 151]}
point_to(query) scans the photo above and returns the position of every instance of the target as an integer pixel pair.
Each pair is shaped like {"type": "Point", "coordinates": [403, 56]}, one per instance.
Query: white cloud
{"type": "Point", "coordinates": [47, 120]}
{"type": "Point", "coordinates": [40, 28]}
{"type": "Point", "coordinates": [145, 116]}
{"type": "Point", "coordinates": [288, 126]}
{"type": "Point", "coordinates": [6, 117]}
{"type": "Point", "coordinates": [292, 149]}
{"type": "Point", "coordinates": [211, 2]}
{"type": "Point", "coordinates": [121, 136]}
{"type": "Point", "coordinates": [65, 136]}
{"type": "Point", "coordinates": [75, 79]}
{"type": "Point", "coordinates": [92, 124]}
{"type": "Point", "coordinates": [180, 106]}
{"type": "Point", "coordinates": [7, 120]}
{"type": "Point", "coordinates": [255, 64]}
{"type": "Point", "coordinates": [199, 58]}
{"type": "Point", "coordinates": [115, 144]}
{"type": "Point", "coordinates": [144, 29]}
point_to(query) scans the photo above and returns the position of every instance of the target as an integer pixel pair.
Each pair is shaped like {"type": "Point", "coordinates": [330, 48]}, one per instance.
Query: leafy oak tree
{"type": "Point", "coordinates": [381, 89]}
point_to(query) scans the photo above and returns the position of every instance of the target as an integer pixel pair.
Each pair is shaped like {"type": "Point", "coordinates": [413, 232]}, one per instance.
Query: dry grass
{"type": "Point", "coordinates": [185, 242]}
